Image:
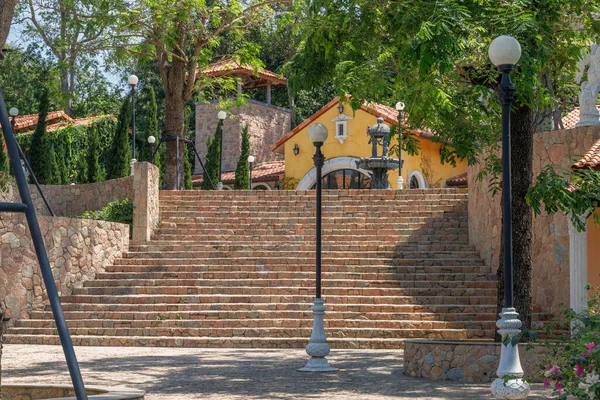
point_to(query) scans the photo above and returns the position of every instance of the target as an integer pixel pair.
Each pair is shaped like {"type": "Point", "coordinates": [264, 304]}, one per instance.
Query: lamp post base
{"type": "Point", "coordinates": [220, 186]}
{"type": "Point", "coordinates": [318, 348]}
{"type": "Point", "coordinates": [510, 364]}
{"type": "Point", "coordinates": [132, 165]}
{"type": "Point", "coordinates": [400, 182]}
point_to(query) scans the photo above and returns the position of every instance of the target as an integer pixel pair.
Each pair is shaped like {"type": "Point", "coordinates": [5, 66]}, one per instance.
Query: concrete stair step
{"type": "Point", "coordinates": [184, 305]}
{"type": "Point", "coordinates": [287, 235]}
{"type": "Point", "coordinates": [276, 323]}
{"type": "Point", "coordinates": [282, 291]}
{"type": "Point", "coordinates": [364, 333]}
{"type": "Point", "coordinates": [211, 315]}
{"type": "Point", "coordinates": [230, 276]}
{"type": "Point", "coordinates": [269, 282]}
{"type": "Point", "coordinates": [211, 342]}
{"type": "Point", "coordinates": [277, 298]}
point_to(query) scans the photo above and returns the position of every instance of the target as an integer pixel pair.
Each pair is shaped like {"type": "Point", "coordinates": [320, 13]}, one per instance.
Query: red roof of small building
{"type": "Point", "coordinates": [460, 180]}
{"type": "Point", "coordinates": [572, 118]}
{"type": "Point", "coordinates": [232, 67]}
{"type": "Point", "coordinates": [267, 172]}
{"type": "Point", "coordinates": [26, 122]}
{"type": "Point", "coordinates": [591, 159]}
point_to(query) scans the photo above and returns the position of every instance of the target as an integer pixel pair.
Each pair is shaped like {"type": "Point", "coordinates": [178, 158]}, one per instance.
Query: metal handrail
{"type": "Point", "coordinates": [40, 249]}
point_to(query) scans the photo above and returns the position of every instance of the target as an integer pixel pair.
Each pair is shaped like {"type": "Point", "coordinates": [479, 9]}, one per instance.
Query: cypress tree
{"type": "Point", "coordinates": [40, 152]}
{"type": "Point", "coordinates": [242, 171]}
{"type": "Point", "coordinates": [120, 153]}
{"type": "Point", "coordinates": [212, 160]}
{"type": "Point", "coordinates": [151, 112]}
{"type": "Point", "coordinates": [187, 165]}
{"type": "Point", "coordinates": [94, 173]}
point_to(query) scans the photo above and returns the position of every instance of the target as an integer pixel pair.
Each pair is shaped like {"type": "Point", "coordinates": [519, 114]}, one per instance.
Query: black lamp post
{"type": "Point", "coordinates": [400, 108]}
{"type": "Point", "coordinates": [250, 165]}
{"type": "Point", "coordinates": [318, 348]}
{"type": "Point", "coordinates": [505, 52]}
{"type": "Point", "coordinates": [221, 115]}
{"type": "Point", "coordinates": [133, 81]}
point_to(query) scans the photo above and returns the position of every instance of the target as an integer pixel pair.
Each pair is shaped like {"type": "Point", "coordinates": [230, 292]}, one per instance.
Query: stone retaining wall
{"type": "Point", "coordinates": [463, 361]}
{"type": "Point", "coordinates": [550, 233]}
{"type": "Point", "coordinates": [77, 250]}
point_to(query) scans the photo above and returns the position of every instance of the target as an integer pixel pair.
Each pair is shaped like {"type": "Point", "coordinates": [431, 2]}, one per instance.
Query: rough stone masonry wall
{"type": "Point", "coordinates": [77, 249]}
{"type": "Point", "coordinates": [145, 201]}
{"type": "Point", "coordinates": [550, 233]}
{"type": "Point", "coordinates": [266, 125]}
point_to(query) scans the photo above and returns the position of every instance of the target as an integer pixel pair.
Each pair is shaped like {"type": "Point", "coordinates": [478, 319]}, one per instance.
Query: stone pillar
{"type": "Point", "coordinates": [145, 201]}
{"type": "Point", "coordinates": [578, 266]}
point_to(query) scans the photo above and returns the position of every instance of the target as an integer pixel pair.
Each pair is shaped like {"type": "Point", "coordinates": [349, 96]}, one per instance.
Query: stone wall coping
{"type": "Point", "coordinates": [452, 342]}
{"type": "Point", "coordinates": [104, 392]}
{"type": "Point", "coordinates": [260, 103]}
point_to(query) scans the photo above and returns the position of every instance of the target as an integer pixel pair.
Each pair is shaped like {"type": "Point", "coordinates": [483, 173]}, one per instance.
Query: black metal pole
{"type": "Point", "coordinates": [40, 249]}
{"type": "Point", "coordinates": [507, 95]}
{"type": "Point", "coordinates": [221, 151]}
{"type": "Point", "coordinates": [133, 121]}
{"type": "Point", "coordinates": [319, 159]}
{"type": "Point", "coordinates": [251, 176]}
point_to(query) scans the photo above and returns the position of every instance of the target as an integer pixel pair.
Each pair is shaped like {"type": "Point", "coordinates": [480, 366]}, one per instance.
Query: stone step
{"type": "Point", "coordinates": [286, 263]}
{"type": "Point", "coordinates": [329, 211]}
{"type": "Point", "coordinates": [211, 342]}
{"type": "Point", "coordinates": [327, 218]}
{"type": "Point", "coordinates": [364, 333]}
{"type": "Point", "coordinates": [160, 321]}
{"type": "Point", "coordinates": [340, 277]}
{"type": "Point", "coordinates": [289, 235]}
{"type": "Point", "coordinates": [339, 193]}
{"type": "Point", "coordinates": [183, 305]}
{"type": "Point", "coordinates": [268, 282]}
{"type": "Point", "coordinates": [203, 315]}
{"type": "Point", "coordinates": [484, 299]}
{"type": "Point", "coordinates": [252, 291]}
{"type": "Point", "coordinates": [304, 254]}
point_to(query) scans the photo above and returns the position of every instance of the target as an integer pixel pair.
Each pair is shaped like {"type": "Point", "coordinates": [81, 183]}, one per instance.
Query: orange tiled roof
{"type": "Point", "coordinates": [460, 180]}
{"type": "Point", "coordinates": [26, 122]}
{"type": "Point", "coordinates": [267, 172]}
{"type": "Point", "coordinates": [591, 159]}
{"type": "Point", "coordinates": [232, 67]}
{"type": "Point", "coordinates": [572, 118]}
{"type": "Point", "coordinates": [389, 115]}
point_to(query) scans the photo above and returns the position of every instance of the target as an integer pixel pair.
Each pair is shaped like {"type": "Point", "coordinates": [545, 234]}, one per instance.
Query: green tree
{"type": "Point", "coordinates": [188, 168]}
{"type": "Point", "coordinates": [7, 9]}
{"type": "Point", "coordinates": [94, 172]}
{"type": "Point", "coordinates": [151, 124]}
{"type": "Point", "coordinates": [120, 150]}
{"type": "Point", "coordinates": [181, 37]}
{"type": "Point", "coordinates": [212, 160]}
{"type": "Point", "coordinates": [3, 156]}
{"type": "Point", "coordinates": [41, 153]}
{"type": "Point", "coordinates": [242, 172]}
{"type": "Point", "coordinates": [433, 57]}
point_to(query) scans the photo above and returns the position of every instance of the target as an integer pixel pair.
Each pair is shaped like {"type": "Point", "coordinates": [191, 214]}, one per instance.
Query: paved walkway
{"type": "Point", "coordinates": [227, 374]}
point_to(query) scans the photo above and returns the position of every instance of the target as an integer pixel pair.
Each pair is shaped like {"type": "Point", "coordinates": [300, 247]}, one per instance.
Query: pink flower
{"type": "Point", "coordinates": [558, 386]}
{"type": "Point", "coordinates": [546, 383]}
{"type": "Point", "coordinates": [591, 368]}
{"type": "Point", "coordinates": [579, 370]}
{"type": "Point", "coordinates": [590, 346]}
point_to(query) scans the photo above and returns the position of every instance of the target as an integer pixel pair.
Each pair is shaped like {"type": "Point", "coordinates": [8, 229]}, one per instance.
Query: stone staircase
{"type": "Point", "coordinates": [236, 269]}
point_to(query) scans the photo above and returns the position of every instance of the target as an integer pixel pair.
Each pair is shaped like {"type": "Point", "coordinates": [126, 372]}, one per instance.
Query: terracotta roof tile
{"type": "Point", "coordinates": [267, 172]}
{"type": "Point", "coordinates": [232, 67]}
{"type": "Point", "coordinates": [572, 118]}
{"type": "Point", "coordinates": [460, 180]}
{"type": "Point", "coordinates": [26, 122]}
{"type": "Point", "coordinates": [591, 159]}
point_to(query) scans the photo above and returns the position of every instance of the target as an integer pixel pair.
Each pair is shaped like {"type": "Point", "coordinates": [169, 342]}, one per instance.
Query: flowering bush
{"type": "Point", "coordinates": [574, 362]}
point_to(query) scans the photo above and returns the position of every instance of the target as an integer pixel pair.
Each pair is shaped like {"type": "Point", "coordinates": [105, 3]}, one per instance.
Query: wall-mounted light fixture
{"type": "Point", "coordinates": [341, 108]}
{"type": "Point", "coordinates": [296, 149]}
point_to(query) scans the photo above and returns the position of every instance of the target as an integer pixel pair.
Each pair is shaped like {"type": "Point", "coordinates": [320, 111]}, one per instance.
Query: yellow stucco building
{"type": "Point", "coordinates": [347, 142]}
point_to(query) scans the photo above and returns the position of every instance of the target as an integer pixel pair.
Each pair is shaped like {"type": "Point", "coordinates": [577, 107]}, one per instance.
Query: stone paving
{"type": "Point", "coordinates": [227, 374]}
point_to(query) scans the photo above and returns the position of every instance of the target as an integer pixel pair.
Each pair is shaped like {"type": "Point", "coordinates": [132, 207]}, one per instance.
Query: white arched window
{"type": "Point", "coordinates": [335, 164]}
{"type": "Point", "coordinates": [416, 180]}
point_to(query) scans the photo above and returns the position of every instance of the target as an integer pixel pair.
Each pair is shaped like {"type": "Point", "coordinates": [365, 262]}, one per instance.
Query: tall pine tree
{"type": "Point", "coordinates": [94, 172]}
{"type": "Point", "coordinates": [242, 171]}
{"type": "Point", "coordinates": [120, 154]}
{"type": "Point", "coordinates": [41, 153]}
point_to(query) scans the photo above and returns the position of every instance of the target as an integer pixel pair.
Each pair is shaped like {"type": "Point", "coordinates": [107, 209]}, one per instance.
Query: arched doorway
{"type": "Point", "coordinates": [333, 165]}
{"type": "Point", "coordinates": [345, 179]}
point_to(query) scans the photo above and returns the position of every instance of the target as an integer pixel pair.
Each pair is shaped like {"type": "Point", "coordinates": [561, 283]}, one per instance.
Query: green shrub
{"type": "Point", "coordinates": [117, 211]}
